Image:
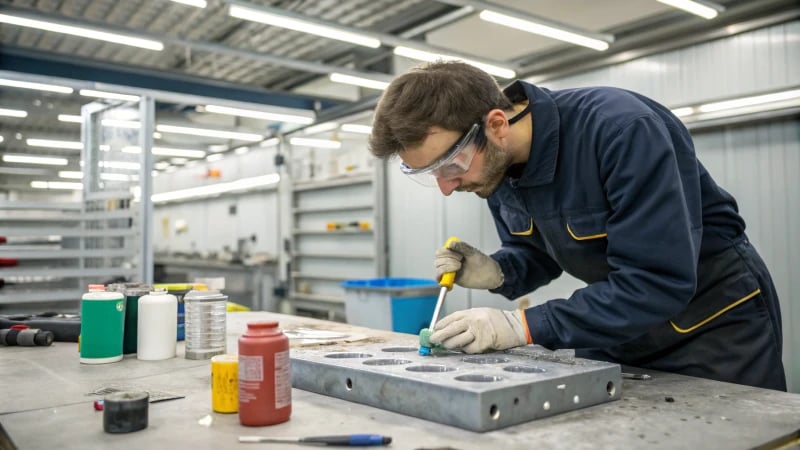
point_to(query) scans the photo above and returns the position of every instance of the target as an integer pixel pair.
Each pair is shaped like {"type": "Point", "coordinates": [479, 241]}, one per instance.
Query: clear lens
{"type": "Point", "coordinates": [454, 163]}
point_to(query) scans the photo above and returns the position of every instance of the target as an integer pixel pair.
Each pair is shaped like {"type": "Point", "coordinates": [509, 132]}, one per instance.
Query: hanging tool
{"type": "Point", "coordinates": [347, 440]}
{"type": "Point", "coordinates": [446, 282]}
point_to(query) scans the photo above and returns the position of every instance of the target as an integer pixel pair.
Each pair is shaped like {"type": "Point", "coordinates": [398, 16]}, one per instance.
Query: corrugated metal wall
{"type": "Point", "coordinates": [758, 164]}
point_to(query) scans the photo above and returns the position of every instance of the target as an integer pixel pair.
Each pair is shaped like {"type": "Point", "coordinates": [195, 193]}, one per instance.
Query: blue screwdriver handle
{"type": "Point", "coordinates": [352, 440]}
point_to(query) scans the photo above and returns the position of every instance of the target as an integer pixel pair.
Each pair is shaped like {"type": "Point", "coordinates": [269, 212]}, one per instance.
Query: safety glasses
{"type": "Point", "coordinates": [454, 163]}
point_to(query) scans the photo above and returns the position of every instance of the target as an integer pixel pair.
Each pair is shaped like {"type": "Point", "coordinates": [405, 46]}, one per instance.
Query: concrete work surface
{"type": "Point", "coordinates": [46, 402]}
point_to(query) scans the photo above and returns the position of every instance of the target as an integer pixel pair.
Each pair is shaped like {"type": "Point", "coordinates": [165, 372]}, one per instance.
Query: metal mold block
{"type": "Point", "coordinates": [474, 392]}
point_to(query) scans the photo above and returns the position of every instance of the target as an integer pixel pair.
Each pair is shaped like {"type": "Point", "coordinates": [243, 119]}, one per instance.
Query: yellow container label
{"type": "Point", "coordinates": [225, 383]}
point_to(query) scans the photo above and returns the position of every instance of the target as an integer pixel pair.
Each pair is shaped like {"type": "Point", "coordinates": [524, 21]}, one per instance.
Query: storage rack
{"type": "Point", "coordinates": [322, 258]}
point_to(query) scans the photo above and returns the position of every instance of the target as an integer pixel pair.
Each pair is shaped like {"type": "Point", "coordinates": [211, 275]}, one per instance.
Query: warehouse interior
{"type": "Point", "coordinates": [255, 117]}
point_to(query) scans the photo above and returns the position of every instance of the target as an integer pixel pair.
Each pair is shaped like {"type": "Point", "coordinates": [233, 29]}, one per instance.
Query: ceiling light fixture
{"type": "Point", "coordinates": [321, 128]}
{"type": "Point", "coordinates": [750, 101]}
{"type": "Point", "coordinates": [422, 55]}
{"type": "Point", "coordinates": [682, 112]}
{"type": "Point", "coordinates": [543, 30]}
{"type": "Point", "coordinates": [166, 151]}
{"type": "Point", "coordinates": [49, 143]}
{"type": "Point", "coordinates": [271, 142]}
{"type": "Point", "coordinates": [195, 3]}
{"type": "Point", "coordinates": [209, 133]}
{"type": "Point", "coordinates": [36, 86]}
{"type": "Point", "coordinates": [317, 143]}
{"type": "Point", "coordinates": [71, 118]}
{"type": "Point", "coordinates": [56, 185]}
{"type": "Point", "coordinates": [109, 95]}
{"type": "Point", "coordinates": [214, 157]}
{"type": "Point", "coordinates": [355, 128]}
{"type": "Point", "coordinates": [275, 117]}
{"type": "Point", "coordinates": [85, 32]}
{"type": "Point", "coordinates": [13, 112]}
{"type": "Point", "coordinates": [219, 188]}
{"type": "Point", "coordinates": [241, 150]}
{"type": "Point", "coordinates": [305, 26]}
{"type": "Point", "coordinates": [706, 10]}
{"type": "Point", "coordinates": [43, 160]}
{"type": "Point", "coordinates": [358, 81]}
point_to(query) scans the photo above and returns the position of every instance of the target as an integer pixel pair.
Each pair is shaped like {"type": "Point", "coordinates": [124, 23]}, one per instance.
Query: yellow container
{"type": "Point", "coordinates": [225, 383]}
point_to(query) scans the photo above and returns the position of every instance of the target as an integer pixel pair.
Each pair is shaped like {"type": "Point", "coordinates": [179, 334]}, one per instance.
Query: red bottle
{"type": "Point", "coordinates": [265, 375]}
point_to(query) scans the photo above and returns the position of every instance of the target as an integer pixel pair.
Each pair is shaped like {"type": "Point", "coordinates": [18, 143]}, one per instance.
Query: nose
{"type": "Point", "coordinates": [447, 186]}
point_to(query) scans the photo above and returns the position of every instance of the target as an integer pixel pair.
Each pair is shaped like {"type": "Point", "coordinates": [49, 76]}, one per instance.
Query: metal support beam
{"type": "Point", "coordinates": [62, 66]}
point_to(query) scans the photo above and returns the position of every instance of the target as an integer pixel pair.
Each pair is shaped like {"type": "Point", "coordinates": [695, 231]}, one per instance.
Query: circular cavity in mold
{"type": "Point", "coordinates": [524, 369]}
{"type": "Point", "coordinates": [386, 362]}
{"type": "Point", "coordinates": [431, 368]}
{"type": "Point", "coordinates": [485, 359]}
{"type": "Point", "coordinates": [479, 378]}
{"type": "Point", "coordinates": [348, 355]}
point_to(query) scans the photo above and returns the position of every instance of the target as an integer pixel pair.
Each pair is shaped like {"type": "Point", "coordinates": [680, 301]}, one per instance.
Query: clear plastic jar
{"type": "Point", "coordinates": [205, 323]}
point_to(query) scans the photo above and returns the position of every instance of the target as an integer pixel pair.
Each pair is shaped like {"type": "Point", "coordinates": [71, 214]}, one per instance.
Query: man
{"type": "Point", "coordinates": [601, 183]}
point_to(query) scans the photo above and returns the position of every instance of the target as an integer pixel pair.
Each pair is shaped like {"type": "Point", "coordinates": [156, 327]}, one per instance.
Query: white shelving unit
{"type": "Point", "coordinates": [323, 256]}
{"type": "Point", "coordinates": [51, 243]}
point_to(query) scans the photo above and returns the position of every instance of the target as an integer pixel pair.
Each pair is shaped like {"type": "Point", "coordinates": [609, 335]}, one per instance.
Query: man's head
{"type": "Point", "coordinates": [445, 120]}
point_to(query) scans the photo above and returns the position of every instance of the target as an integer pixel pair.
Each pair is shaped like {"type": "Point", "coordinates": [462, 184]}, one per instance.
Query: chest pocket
{"type": "Point", "coordinates": [517, 222]}
{"type": "Point", "coordinates": [582, 246]}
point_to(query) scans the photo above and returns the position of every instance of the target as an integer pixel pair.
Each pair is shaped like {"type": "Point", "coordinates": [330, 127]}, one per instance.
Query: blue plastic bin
{"type": "Point", "coordinates": [397, 304]}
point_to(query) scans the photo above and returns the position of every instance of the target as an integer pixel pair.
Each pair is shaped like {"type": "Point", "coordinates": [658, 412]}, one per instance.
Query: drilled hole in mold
{"type": "Point", "coordinates": [348, 383]}
{"type": "Point", "coordinates": [348, 355]}
{"type": "Point", "coordinates": [524, 369]}
{"type": "Point", "coordinates": [479, 378]}
{"type": "Point", "coordinates": [386, 362]}
{"type": "Point", "coordinates": [485, 359]}
{"type": "Point", "coordinates": [399, 349]}
{"type": "Point", "coordinates": [431, 368]}
{"type": "Point", "coordinates": [516, 401]}
{"type": "Point", "coordinates": [611, 389]}
{"type": "Point", "coordinates": [494, 412]}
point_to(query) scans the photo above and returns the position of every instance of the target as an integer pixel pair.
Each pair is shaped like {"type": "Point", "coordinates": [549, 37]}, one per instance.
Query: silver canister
{"type": "Point", "coordinates": [205, 323]}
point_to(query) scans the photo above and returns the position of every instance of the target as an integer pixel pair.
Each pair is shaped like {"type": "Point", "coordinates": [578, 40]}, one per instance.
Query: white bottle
{"type": "Point", "coordinates": [158, 332]}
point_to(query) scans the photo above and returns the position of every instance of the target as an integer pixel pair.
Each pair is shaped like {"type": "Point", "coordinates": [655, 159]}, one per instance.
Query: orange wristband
{"type": "Point", "coordinates": [525, 324]}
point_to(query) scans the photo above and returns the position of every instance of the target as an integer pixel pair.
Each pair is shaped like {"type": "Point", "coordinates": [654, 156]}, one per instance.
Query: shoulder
{"type": "Point", "coordinates": [610, 107]}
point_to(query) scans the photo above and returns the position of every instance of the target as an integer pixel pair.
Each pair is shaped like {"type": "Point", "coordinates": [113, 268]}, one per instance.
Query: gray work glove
{"type": "Point", "coordinates": [474, 269]}
{"type": "Point", "coordinates": [480, 329]}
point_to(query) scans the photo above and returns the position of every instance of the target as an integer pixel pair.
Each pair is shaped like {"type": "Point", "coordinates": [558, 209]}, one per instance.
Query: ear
{"type": "Point", "coordinates": [497, 124]}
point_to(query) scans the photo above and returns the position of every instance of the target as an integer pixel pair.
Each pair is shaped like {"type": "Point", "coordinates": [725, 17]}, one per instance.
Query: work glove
{"type": "Point", "coordinates": [480, 329]}
{"type": "Point", "coordinates": [474, 269]}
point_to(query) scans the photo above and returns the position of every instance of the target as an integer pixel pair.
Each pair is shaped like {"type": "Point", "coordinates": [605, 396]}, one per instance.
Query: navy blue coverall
{"type": "Point", "coordinates": [614, 195]}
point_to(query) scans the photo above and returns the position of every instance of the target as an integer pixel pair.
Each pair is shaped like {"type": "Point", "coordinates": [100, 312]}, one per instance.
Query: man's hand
{"type": "Point", "coordinates": [473, 269]}
{"type": "Point", "coordinates": [479, 329]}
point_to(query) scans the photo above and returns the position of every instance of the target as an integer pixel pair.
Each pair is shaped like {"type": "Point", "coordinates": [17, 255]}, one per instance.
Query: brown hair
{"type": "Point", "coordinates": [450, 95]}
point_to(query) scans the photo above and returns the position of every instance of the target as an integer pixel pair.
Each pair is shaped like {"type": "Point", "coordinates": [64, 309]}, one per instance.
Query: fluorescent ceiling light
{"type": "Point", "coordinates": [13, 112]}
{"type": "Point", "coordinates": [241, 150]}
{"type": "Point", "coordinates": [271, 142]}
{"type": "Point", "coordinates": [277, 20]}
{"type": "Point", "coordinates": [276, 117]}
{"type": "Point", "coordinates": [318, 143]}
{"type": "Point", "coordinates": [24, 171]}
{"type": "Point", "coordinates": [219, 188]}
{"type": "Point", "coordinates": [49, 143]}
{"type": "Point", "coordinates": [109, 95]}
{"type": "Point", "coordinates": [355, 128]}
{"type": "Point", "coordinates": [214, 157]}
{"type": "Point", "coordinates": [71, 174]}
{"type": "Point", "coordinates": [701, 9]}
{"type": "Point", "coordinates": [321, 128]}
{"type": "Point", "coordinates": [56, 185]}
{"type": "Point", "coordinates": [422, 55]}
{"type": "Point", "coordinates": [209, 133]}
{"type": "Point", "coordinates": [166, 151]}
{"type": "Point", "coordinates": [69, 118]}
{"type": "Point", "coordinates": [358, 81]}
{"type": "Point", "coordinates": [682, 112]}
{"type": "Point", "coordinates": [195, 3]}
{"type": "Point", "coordinates": [543, 30]}
{"type": "Point", "coordinates": [36, 86]}
{"type": "Point", "coordinates": [750, 101]}
{"type": "Point", "coordinates": [2, 139]}
{"type": "Point", "coordinates": [161, 165]}
{"type": "Point", "coordinates": [179, 161]}
{"type": "Point", "coordinates": [44, 160]}
{"type": "Point", "coordinates": [91, 33]}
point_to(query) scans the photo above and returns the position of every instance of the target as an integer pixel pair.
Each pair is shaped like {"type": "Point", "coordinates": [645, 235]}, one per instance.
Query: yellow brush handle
{"type": "Point", "coordinates": [450, 277]}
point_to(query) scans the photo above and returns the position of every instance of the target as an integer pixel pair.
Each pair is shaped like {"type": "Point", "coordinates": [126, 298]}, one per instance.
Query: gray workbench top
{"type": "Point", "coordinates": [45, 402]}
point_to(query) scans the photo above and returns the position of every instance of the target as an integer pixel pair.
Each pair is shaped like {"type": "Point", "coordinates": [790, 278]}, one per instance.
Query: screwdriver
{"type": "Point", "coordinates": [349, 440]}
{"type": "Point", "coordinates": [446, 283]}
